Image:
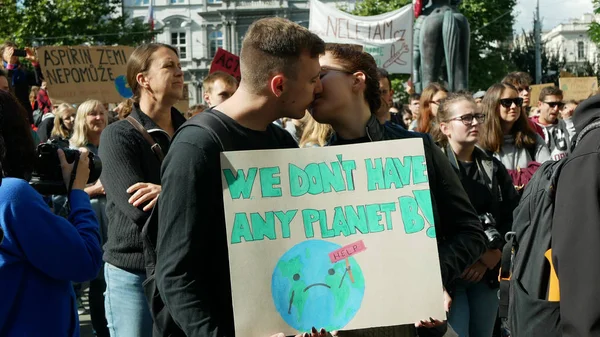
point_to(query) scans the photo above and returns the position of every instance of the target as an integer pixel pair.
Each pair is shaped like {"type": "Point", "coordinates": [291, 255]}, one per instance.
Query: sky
{"type": "Point", "coordinates": [552, 12]}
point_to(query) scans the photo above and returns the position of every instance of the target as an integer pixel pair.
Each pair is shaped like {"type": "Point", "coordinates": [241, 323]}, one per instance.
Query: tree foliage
{"type": "Point", "coordinates": [491, 25]}
{"type": "Point", "coordinates": [522, 56]}
{"type": "Point", "coordinates": [594, 30]}
{"type": "Point", "coordinates": [69, 22]}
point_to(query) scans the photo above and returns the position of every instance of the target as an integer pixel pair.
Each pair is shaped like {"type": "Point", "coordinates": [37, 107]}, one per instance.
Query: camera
{"type": "Point", "coordinates": [489, 228]}
{"type": "Point", "coordinates": [47, 177]}
{"type": "Point", "coordinates": [20, 52]}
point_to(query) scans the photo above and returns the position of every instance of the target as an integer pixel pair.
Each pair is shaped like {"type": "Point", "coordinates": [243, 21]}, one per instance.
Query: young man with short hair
{"type": "Point", "coordinates": [218, 87]}
{"type": "Point", "coordinates": [387, 96]}
{"type": "Point", "coordinates": [280, 78]}
{"type": "Point", "coordinates": [557, 133]}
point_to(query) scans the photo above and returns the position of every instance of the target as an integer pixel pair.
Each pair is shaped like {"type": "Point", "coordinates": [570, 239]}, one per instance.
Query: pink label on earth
{"type": "Point", "coordinates": [347, 251]}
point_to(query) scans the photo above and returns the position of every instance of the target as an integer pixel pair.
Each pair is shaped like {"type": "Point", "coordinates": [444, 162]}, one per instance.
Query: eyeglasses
{"type": "Point", "coordinates": [468, 118]}
{"type": "Point", "coordinates": [508, 102]}
{"type": "Point", "coordinates": [528, 89]}
{"type": "Point", "coordinates": [553, 105]}
{"type": "Point", "coordinates": [324, 71]}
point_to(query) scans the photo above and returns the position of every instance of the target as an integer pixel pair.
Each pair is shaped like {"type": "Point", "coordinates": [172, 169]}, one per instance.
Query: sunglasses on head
{"type": "Point", "coordinates": [553, 105]}
{"type": "Point", "coordinates": [508, 102]}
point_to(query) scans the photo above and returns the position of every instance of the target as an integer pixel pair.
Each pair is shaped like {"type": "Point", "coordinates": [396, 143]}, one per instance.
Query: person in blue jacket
{"type": "Point", "coordinates": [41, 253]}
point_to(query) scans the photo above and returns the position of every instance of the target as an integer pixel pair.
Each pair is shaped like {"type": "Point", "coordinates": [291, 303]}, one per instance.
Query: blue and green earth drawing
{"type": "Point", "coordinates": [311, 291]}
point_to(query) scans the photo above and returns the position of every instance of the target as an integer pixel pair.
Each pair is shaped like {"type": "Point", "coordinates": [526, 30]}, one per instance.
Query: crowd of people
{"type": "Point", "coordinates": [159, 196]}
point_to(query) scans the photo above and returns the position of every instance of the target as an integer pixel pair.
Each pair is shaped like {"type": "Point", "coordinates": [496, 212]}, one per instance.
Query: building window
{"type": "Point", "coordinates": [580, 50]}
{"type": "Point", "coordinates": [214, 1]}
{"type": "Point", "coordinates": [177, 1]}
{"type": "Point", "coordinates": [178, 41]}
{"type": "Point", "coordinates": [215, 40]}
{"type": "Point", "coordinates": [142, 2]}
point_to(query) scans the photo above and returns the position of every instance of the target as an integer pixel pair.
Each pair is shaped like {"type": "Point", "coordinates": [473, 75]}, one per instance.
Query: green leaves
{"type": "Point", "coordinates": [69, 22]}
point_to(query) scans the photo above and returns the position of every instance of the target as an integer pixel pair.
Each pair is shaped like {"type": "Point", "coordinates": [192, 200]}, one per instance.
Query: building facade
{"type": "Point", "coordinates": [197, 28]}
{"type": "Point", "coordinates": [571, 42]}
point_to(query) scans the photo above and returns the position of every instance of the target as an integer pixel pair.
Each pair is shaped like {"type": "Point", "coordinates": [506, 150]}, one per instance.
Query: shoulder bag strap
{"type": "Point", "coordinates": [153, 144]}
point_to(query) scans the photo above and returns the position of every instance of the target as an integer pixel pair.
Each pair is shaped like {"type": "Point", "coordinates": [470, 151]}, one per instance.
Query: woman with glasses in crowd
{"type": "Point", "coordinates": [490, 189]}
{"type": "Point", "coordinates": [429, 104]}
{"type": "Point", "coordinates": [506, 132]}
{"type": "Point", "coordinates": [348, 102]}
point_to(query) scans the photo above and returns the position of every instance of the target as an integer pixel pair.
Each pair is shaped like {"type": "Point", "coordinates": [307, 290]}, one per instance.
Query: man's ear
{"type": "Point", "coordinates": [276, 85]}
{"type": "Point", "coordinates": [206, 98]}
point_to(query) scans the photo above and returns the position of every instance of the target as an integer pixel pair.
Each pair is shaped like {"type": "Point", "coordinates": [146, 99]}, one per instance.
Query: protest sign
{"type": "Point", "coordinates": [78, 73]}
{"type": "Point", "coordinates": [534, 94]}
{"type": "Point", "coordinates": [336, 237]}
{"type": "Point", "coordinates": [578, 88]}
{"type": "Point", "coordinates": [388, 36]}
{"type": "Point", "coordinates": [183, 105]}
{"type": "Point", "coordinates": [226, 62]}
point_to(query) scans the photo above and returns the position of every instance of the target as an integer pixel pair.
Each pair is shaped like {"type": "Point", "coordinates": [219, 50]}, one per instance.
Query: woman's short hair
{"type": "Point", "coordinates": [80, 127]}
{"type": "Point", "coordinates": [492, 136]}
{"type": "Point", "coordinates": [358, 61]}
{"type": "Point", "coordinates": [17, 151]}
{"type": "Point", "coordinates": [139, 62]}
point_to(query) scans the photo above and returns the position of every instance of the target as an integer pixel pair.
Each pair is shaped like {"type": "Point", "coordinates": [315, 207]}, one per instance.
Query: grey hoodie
{"type": "Point", "coordinates": [513, 157]}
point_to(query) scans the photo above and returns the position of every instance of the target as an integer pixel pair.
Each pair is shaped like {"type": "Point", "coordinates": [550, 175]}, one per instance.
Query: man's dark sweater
{"type": "Point", "coordinates": [127, 159]}
{"type": "Point", "coordinates": [192, 270]}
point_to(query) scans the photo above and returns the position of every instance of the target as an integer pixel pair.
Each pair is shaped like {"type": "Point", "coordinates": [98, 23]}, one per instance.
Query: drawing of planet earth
{"type": "Point", "coordinates": [309, 290]}
{"type": "Point", "coordinates": [122, 87]}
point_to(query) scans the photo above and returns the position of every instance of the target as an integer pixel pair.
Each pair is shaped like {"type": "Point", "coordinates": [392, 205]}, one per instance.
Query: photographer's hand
{"type": "Point", "coordinates": [83, 169]}
{"type": "Point", "coordinates": [145, 192]}
{"type": "Point", "coordinates": [491, 257]}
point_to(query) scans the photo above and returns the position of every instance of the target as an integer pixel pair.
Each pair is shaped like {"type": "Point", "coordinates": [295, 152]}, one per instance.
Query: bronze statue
{"type": "Point", "coordinates": [440, 33]}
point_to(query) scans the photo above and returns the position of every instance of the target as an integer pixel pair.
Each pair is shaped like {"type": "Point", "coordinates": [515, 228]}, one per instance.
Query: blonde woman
{"type": "Point", "coordinates": [315, 134]}
{"type": "Point", "coordinates": [90, 121]}
{"type": "Point", "coordinates": [63, 122]}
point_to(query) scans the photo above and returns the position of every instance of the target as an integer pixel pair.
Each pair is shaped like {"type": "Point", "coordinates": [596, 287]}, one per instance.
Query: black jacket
{"type": "Point", "coordinates": [503, 198]}
{"type": "Point", "coordinates": [459, 233]}
{"type": "Point", "coordinates": [576, 229]}
{"type": "Point", "coordinates": [127, 159]}
{"type": "Point", "coordinates": [22, 85]}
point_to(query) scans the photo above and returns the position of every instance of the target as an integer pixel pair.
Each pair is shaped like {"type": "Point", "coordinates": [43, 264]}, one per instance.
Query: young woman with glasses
{"type": "Point", "coordinates": [506, 131]}
{"type": "Point", "coordinates": [348, 102]}
{"type": "Point", "coordinates": [490, 189]}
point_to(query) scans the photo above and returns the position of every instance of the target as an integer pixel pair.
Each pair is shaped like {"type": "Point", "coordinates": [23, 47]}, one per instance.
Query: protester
{"type": "Point", "coordinates": [315, 134]}
{"type": "Point", "coordinates": [131, 179]}
{"type": "Point", "coordinates": [194, 110]}
{"type": "Point", "coordinates": [522, 82]}
{"type": "Point", "coordinates": [478, 97]}
{"type": "Point", "coordinates": [280, 77]}
{"type": "Point", "coordinates": [90, 121]}
{"type": "Point", "coordinates": [218, 87]}
{"type": "Point", "coordinates": [575, 230]}
{"type": "Point", "coordinates": [44, 130]}
{"type": "Point", "coordinates": [407, 117]}
{"type": "Point", "coordinates": [63, 123]}
{"type": "Point", "coordinates": [33, 97]}
{"type": "Point", "coordinates": [567, 111]}
{"type": "Point", "coordinates": [414, 105]}
{"type": "Point", "coordinates": [348, 102]}
{"type": "Point", "coordinates": [19, 78]}
{"type": "Point", "coordinates": [508, 135]}
{"type": "Point", "coordinates": [43, 100]}
{"type": "Point", "coordinates": [428, 106]}
{"type": "Point", "coordinates": [4, 81]}
{"type": "Point", "coordinates": [557, 132]}
{"type": "Point", "coordinates": [41, 253]}
{"type": "Point", "coordinates": [490, 190]}
{"type": "Point", "coordinates": [387, 95]}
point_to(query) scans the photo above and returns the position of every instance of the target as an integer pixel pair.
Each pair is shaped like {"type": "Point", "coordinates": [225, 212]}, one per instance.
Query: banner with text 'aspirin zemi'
{"type": "Point", "coordinates": [337, 237]}
{"type": "Point", "coordinates": [75, 74]}
{"type": "Point", "coordinates": [388, 37]}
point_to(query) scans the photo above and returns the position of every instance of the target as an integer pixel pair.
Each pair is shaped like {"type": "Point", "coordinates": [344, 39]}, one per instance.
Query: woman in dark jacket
{"type": "Point", "coordinates": [491, 191]}
{"type": "Point", "coordinates": [131, 179]}
{"type": "Point", "coordinates": [350, 97]}
{"type": "Point", "coordinates": [19, 79]}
